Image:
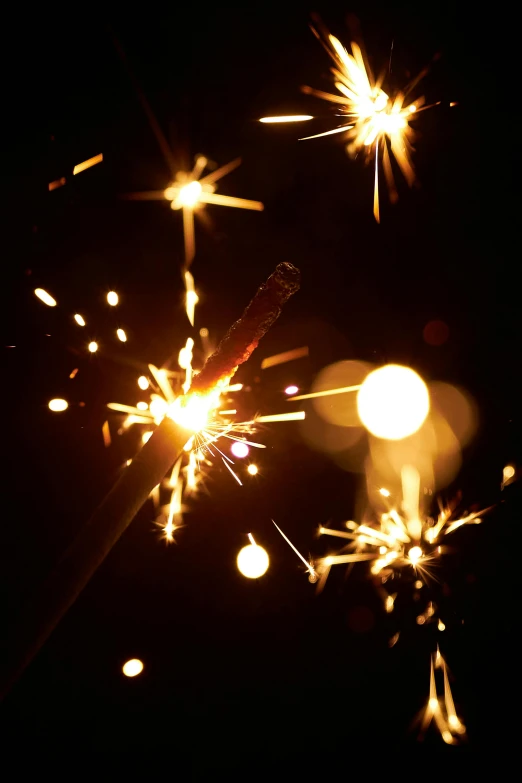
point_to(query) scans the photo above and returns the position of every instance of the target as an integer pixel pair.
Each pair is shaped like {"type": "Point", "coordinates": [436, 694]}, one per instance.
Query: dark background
{"type": "Point", "coordinates": [241, 673]}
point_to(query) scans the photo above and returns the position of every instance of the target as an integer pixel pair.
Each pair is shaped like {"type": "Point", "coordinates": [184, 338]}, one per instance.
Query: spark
{"type": "Point", "coordinates": [291, 390]}
{"type": "Point", "coordinates": [441, 709]}
{"type": "Point", "coordinates": [239, 449]}
{"type": "Point", "coordinates": [58, 405]}
{"type": "Point", "coordinates": [113, 298]}
{"type": "Point", "coordinates": [87, 164]}
{"type": "Point", "coordinates": [45, 297]}
{"type": "Point", "coordinates": [143, 382]}
{"type": "Point", "coordinates": [225, 463]}
{"type": "Point", "coordinates": [142, 406]}
{"type": "Point", "coordinates": [377, 123]}
{"type": "Point", "coordinates": [80, 320]}
{"type": "Point", "coordinates": [74, 373]}
{"type": "Point", "coordinates": [190, 192]}
{"type": "Point", "coordinates": [287, 118]}
{"type": "Point", "coordinates": [93, 346]}
{"type": "Point", "coordinates": [309, 566]}
{"type": "Point", "coordinates": [252, 469]}
{"type": "Point", "coordinates": [286, 356]}
{"type": "Point", "coordinates": [121, 335]}
{"type": "Point", "coordinates": [191, 299]}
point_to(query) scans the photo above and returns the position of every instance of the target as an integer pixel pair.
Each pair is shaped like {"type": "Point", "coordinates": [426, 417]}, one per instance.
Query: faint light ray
{"type": "Point", "coordinates": [232, 472]}
{"type": "Point", "coordinates": [57, 183]}
{"type": "Point", "coordinates": [287, 118]}
{"type": "Point", "coordinates": [220, 172]}
{"type": "Point", "coordinates": [231, 201]}
{"type": "Point", "coordinates": [132, 409]}
{"type": "Point", "coordinates": [286, 356]}
{"type": "Point", "coordinates": [190, 243]}
{"type": "Point", "coordinates": [295, 416]}
{"type": "Point", "coordinates": [199, 167]}
{"type": "Point", "coordinates": [231, 412]}
{"type": "Point", "coordinates": [191, 297]}
{"type": "Point", "coordinates": [106, 433]}
{"type": "Point", "coordinates": [309, 566]}
{"type": "Point", "coordinates": [326, 393]}
{"type": "Point", "coordinates": [327, 133]}
{"type": "Point", "coordinates": [160, 377]}
{"type": "Point", "coordinates": [87, 164]}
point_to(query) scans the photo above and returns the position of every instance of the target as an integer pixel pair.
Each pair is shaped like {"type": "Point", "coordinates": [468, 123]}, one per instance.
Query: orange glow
{"type": "Point", "coordinates": [57, 183]}
{"type": "Point", "coordinates": [87, 164]}
{"type": "Point", "coordinates": [45, 297]}
{"type": "Point", "coordinates": [286, 356]}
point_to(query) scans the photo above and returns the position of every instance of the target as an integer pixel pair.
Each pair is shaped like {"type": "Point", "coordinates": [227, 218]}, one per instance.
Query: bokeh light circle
{"type": "Point", "coordinates": [252, 561]}
{"type": "Point", "coordinates": [133, 667]}
{"type": "Point", "coordinates": [393, 402]}
{"type": "Point", "coordinates": [239, 449]}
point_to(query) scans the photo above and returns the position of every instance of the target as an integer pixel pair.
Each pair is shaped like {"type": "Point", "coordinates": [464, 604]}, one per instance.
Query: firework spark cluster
{"type": "Point", "coordinates": [398, 543]}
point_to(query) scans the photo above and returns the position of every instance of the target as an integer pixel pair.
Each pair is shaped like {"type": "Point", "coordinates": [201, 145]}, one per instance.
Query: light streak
{"type": "Point", "coordinates": [74, 373]}
{"type": "Point", "coordinates": [326, 393]}
{"type": "Point", "coordinates": [45, 297]}
{"type": "Point", "coordinates": [191, 297]}
{"type": "Point", "coordinates": [57, 183]}
{"type": "Point", "coordinates": [87, 164]}
{"type": "Point", "coordinates": [296, 416]}
{"type": "Point", "coordinates": [309, 566]}
{"type": "Point", "coordinates": [286, 356]}
{"type": "Point", "coordinates": [377, 123]}
{"type": "Point", "coordinates": [287, 118]}
{"type": "Point", "coordinates": [106, 434]}
{"type": "Point", "coordinates": [80, 320]}
{"type": "Point", "coordinates": [225, 463]}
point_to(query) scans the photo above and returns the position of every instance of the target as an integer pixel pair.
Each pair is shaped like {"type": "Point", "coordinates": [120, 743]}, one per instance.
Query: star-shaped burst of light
{"type": "Point", "coordinates": [190, 192]}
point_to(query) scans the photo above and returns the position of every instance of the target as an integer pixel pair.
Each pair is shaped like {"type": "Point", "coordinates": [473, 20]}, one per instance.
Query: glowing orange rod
{"type": "Point", "coordinates": [87, 164]}
{"type": "Point", "coordinates": [189, 239]}
{"type": "Point", "coordinates": [327, 133]}
{"type": "Point", "coordinates": [288, 118]}
{"type": "Point", "coordinates": [326, 393]}
{"type": "Point", "coordinates": [231, 201]}
{"type": "Point", "coordinates": [286, 356]}
{"type": "Point", "coordinates": [309, 566]}
{"type": "Point", "coordinates": [296, 416]}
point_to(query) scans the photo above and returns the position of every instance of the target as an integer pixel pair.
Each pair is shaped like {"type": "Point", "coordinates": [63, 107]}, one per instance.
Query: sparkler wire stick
{"type": "Point", "coordinates": [147, 469]}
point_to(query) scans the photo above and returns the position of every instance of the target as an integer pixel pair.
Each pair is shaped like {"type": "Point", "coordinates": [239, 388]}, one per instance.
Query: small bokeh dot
{"type": "Point", "coordinates": [436, 333]}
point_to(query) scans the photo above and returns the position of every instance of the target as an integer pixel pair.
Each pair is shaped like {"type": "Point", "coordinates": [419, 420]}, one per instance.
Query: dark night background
{"type": "Point", "coordinates": [240, 673]}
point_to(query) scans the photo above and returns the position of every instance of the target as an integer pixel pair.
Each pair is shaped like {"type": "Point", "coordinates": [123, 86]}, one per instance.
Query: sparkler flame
{"type": "Point", "coordinates": [378, 123]}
